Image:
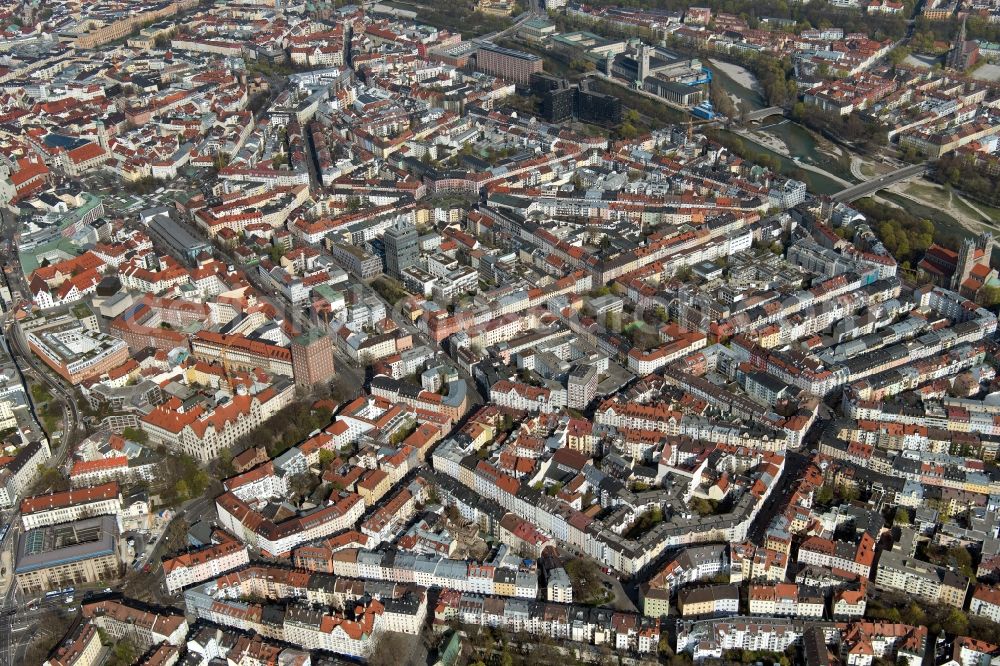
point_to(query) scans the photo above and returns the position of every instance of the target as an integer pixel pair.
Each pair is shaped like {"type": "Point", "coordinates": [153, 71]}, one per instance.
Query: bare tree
{"type": "Point", "coordinates": [396, 649]}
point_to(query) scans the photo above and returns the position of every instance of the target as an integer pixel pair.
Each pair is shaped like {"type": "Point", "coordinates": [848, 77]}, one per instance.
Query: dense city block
{"type": "Point", "coordinates": [499, 332]}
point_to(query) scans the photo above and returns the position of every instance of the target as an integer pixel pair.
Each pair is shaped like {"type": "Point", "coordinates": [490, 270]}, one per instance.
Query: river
{"type": "Point", "coordinates": [799, 141]}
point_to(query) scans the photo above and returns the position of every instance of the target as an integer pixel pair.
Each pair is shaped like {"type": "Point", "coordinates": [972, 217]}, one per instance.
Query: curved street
{"type": "Point", "coordinates": [71, 413]}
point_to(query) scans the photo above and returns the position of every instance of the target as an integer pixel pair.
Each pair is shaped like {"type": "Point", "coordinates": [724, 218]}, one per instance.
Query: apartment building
{"type": "Point", "coordinates": [857, 643]}
{"type": "Point", "coordinates": [210, 562]}
{"type": "Point", "coordinates": [250, 527]}
{"type": "Point", "coordinates": [857, 559]}
{"type": "Point", "coordinates": [558, 587]}
{"type": "Point", "coordinates": [710, 600]}
{"type": "Point", "coordinates": [122, 620]}
{"type": "Point", "coordinates": [850, 603]}
{"type": "Point", "coordinates": [598, 626]}
{"type": "Point", "coordinates": [130, 21]}
{"type": "Point", "coordinates": [236, 352]}
{"type": "Point", "coordinates": [80, 647]}
{"type": "Point", "coordinates": [353, 634]}
{"type": "Point", "coordinates": [986, 602]}
{"type": "Point", "coordinates": [432, 570]}
{"type": "Point", "coordinates": [20, 473]}
{"type": "Point", "coordinates": [527, 398]}
{"type": "Point", "coordinates": [356, 260]}
{"type": "Point", "coordinates": [785, 599]}
{"type": "Point", "coordinates": [312, 359]}
{"type": "Point", "coordinates": [900, 573]}
{"type": "Point", "coordinates": [692, 564]}
{"type": "Point", "coordinates": [85, 473]}
{"type": "Point", "coordinates": [70, 505]}
{"type": "Point", "coordinates": [203, 432]}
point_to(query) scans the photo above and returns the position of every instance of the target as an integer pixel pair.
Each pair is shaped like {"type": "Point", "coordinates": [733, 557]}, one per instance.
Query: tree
{"type": "Point", "coordinates": [721, 101]}
{"type": "Point", "coordinates": [40, 394]}
{"type": "Point", "coordinates": [956, 623]}
{"type": "Point", "coordinates": [50, 478]}
{"type": "Point", "coordinates": [989, 296]}
{"type": "Point", "coordinates": [703, 507]}
{"type": "Point", "coordinates": [963, 561]}
{"type": "Point", "coordinates": [395, 649]}
{"type": "Point", "coordinates": [902, 517]}
{"type": "Point", "coordinates": [176, 534]}
{"type": "Point", "coordinates": [914, 614]}
{"type": "Point", "coordinates": [124, 653]}
{"type": "Point", "coordinates": [221, 161]}
{"type": "Point", "coordinates": [225, 467]}
{"type": "Point", "coordinates": [301, 484]}
{"type": "Point", "coordinates": [898, 55]}
{"type": "Point", "coordinates": [974, 175]}
{"type": "Point", "coordinates": [627, 131]}
{"type": "Point", "coordinates": [136, 435]}
{"type": "Point", "coordinates": [849, 492]}
{"type": "Point", "coordinates": [183, 477]}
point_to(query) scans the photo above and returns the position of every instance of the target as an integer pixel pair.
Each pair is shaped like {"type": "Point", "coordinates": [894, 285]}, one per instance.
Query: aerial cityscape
{"type": "Point", "coordinates": [499, 332]}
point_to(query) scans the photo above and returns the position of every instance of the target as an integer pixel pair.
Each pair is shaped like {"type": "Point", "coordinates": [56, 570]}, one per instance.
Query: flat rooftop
{"type": "Point", "coordinates": [66, 543]}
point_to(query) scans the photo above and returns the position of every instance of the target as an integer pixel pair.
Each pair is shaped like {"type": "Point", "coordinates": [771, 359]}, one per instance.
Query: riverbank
{"type": "Point", "coordinates": [786, 138]}
{"type": "Point", "coordinates": [740, 75]}
{"type": "Point", "coordinates": [936, 197]}
{"type": "Point", "coordinates": [776, 145]}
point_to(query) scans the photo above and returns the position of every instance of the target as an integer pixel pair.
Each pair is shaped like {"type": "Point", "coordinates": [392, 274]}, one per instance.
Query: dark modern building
{"type": "Point", "coordinates": [595, 107]}
{"type": "Point", "coordinates": [556, 96]}
{"type": "Point", "coordinates": [402, 248]}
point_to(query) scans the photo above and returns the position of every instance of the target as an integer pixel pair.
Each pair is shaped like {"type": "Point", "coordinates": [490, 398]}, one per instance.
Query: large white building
{"type": "Point", "coordinates": [523, 397]}
{"type": "Point", "coordinates": [203, 433]}
{"type": "Point", "coordinates": [70, 505]}
{"type": "Point", "coordinates": [246, 524]}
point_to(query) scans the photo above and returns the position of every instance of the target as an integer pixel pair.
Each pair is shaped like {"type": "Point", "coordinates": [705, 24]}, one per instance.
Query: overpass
{"type": "Point", "coordinates": [760, 114]}
{"type": "Point", "coordinates": [875, 184]}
